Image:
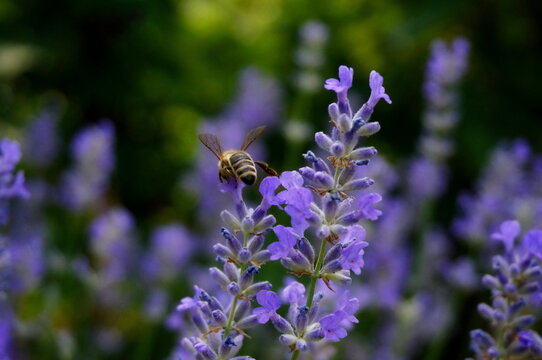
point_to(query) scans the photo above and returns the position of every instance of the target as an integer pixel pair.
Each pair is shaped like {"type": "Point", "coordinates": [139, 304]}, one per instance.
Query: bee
{"type": "Point", "coordinates": [236, 164]}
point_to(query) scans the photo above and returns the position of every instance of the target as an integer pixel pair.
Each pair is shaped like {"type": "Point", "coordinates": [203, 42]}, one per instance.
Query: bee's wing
{"type": "Point", "coordinates": [251, 136]}
{"type": "Point", "coordinates": [212, 143]}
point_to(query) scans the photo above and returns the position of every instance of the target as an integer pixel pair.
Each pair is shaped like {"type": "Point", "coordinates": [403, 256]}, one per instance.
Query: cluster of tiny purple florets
{"type": "Point", "coordinates": [516, 286]}
{"type": "Point", "coordinates": [325, 204]}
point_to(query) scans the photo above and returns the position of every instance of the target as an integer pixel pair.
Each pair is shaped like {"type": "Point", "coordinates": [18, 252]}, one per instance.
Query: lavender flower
{"type": "Point", "coordinates": [111, 240]}
{"type": "Point", "coordinates": [509, 188]}
{"type": "Point", "coordinates": [444, 72]}
{"type": "Point", "coordinates": [11, 182]}
{"type": "Point", "coordinates": [92, 150]}
{"type": "Point", "coordinates": [171, 247]}
{"type": "Point", "coordinates": [324, 196]}
{"type": "Point", "coordinates": [41, 139]}
{"type": "Point", "coordinates": [515, 284]}
{"type": "Point", "coordinates": [11, 186]}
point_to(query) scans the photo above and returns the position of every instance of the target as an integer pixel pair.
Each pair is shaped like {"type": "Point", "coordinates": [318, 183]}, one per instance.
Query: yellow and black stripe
{"type": "Point", "coordinates": [243, 166]}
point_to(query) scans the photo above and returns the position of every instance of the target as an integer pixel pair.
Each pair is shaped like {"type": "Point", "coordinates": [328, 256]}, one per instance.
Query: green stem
{"type": "Point", "coordinates": [230, 318]}
{"type": "Point", "coordinates": [295, 355]}
{"type": "Point", "coordinates": [312, 286]}
{"type": "Point", "coordinates": [316, 274]}
{"type": "Point", "coordinates": [236, 298]}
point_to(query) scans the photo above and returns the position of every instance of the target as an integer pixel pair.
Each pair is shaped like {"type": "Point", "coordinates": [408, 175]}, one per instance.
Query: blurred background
{"type": "Point", "coordinates": [107, 99]}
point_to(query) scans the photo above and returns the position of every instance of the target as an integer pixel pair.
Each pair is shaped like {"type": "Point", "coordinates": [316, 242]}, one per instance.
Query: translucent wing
{"type": "Point", "coordinates": [212, 143]}
{"type": "Point", "coordinates": [251, 136]}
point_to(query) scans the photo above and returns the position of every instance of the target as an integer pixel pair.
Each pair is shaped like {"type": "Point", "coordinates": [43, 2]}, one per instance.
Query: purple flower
{"type": "Point", "coordinates": [189, 303]}
{"type": "Point", "coordinates": [270, 303]}
{"type": "Point", "coordinates": [365, 203]}
{"type": "Point", "coordinates": [532, 243]}
{"type": "Point", "coordinates": [287, 240]}
{"type": "Point", "coordinates": [508, 231]}
{"type": "Point", "coordinates": [11, 184]}
{"type": "Point", "coordinates": [268, 186]}
{"type": "Point", "coordinates": [352, 256]}
{"type": "Point", "coordinates": [171, 246]}
{"type": "Point", "coordinates": [349, 307]}
{"type": "Point", "coordinates": [331, 324]}
{"type": "Point", "coordinates": [293, 293]}
{"type": "Point", "coordinates": [41, 141]}
{"type": "Point", "coordinates": [93, 154]}
{"type": "Point", "coordinates": [112, 242]}
{"type": "Point", "coordinates": [377, 90]}
{"type": "Point", "coordinates": [297, 200]}
{"type": "Point", "coordinates": [342, 85]}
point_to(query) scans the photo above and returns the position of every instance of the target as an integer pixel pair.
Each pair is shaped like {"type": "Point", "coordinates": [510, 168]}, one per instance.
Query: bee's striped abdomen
{"type": "Point", "coordinates": [243, 166]}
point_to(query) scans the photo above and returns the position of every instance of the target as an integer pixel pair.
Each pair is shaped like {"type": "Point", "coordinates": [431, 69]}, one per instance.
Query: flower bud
{"type": "Point", "coordinates": [288, 339]}
{"type": "Point", "coordinates": [523, 322]}
{"type": "Point", "coordinates": [363, 153]}
{"type": "Point", "coordinates": [340, 277]}
{"type": "Point", "coordinates": [220, 318]}
{"type": "Point", "coordinates": [221, 250]}
{"type": "Point", "coordinates": [261, 257]}
{"type": "Point", "coordinates": [323, 179]}
{"type": "Point", "coordinates": [247, 277]}
{"type": "Point", "coordinates": [230, 220]}
{"type": "Point", "coordinates": [282, 325]}
{"type": "Point", "coordinates": [247, 225]}
{"type": "Point", "coordinates": [344, 123]}
{"type": "Point", "coordinates": [227, 348]}
{"type": "Point", "coordinates": [205, 351]}
{"type": "Point", "coordinates": [266, 223]}
{"type": "Point", "coordinates": [231, 271]}
{"type": "Point", "coordinates": [332, 267]}
{"type": "Point", "coordinates": [358, 184]}
{"type": "Point", "coordinates": [323, 141]}
{"type": "Point", "coordinates": [256, 288]}
{"type": "Point", "coordinates": [337, 148]}
{"type": "Point", "coordinates": [219, 277]}
{"type": "Point", "coordinates": [242, 310]}
{"type": "Point", "coordinates": [307, 173]}
{"type": "Point", "coordinates": [233, 243]}
{"type": "Point", "coordinates": [323, 231]}
{"type": "Point", "coordinates": [333, 254]}
{"type": "Point", "coordinates": [244, 255]}
{"type": "Point", "coordinates": [301, 320]}
{"type": "Point", "coordinates": [305, 247]}
{"type": "Point", "coordinates": [255, 243]}
{"type": "Point", "coordinates": [369, 129]}
{"type": "Point", "coordinates": [333, 111]}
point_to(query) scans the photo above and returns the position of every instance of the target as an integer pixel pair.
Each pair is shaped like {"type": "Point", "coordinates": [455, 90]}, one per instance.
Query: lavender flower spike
{"type": "Point", "coordinates": [516, 283]}
{"type": "Point", "coordinates": [341, 87]}
{"type": "Point", "coordinates": [327, 196]}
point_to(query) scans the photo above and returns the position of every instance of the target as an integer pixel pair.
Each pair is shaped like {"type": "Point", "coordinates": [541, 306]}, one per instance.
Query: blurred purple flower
{"type": "Point", "coordinates": [41, 141]}
{"type": "Point", "coordinates": [508, 232]}
{"type": "Point", "coordinates": [171, 247]}
{"type": "Point", "coordinates": [93, 154]}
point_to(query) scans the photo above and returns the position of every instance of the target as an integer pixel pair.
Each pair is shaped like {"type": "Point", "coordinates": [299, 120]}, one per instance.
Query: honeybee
{"type": "Point", "coordinates": [236, 164]}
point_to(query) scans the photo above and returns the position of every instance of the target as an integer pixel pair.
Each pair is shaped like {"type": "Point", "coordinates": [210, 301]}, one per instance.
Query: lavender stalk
{"type": "Point", "coordinates": [516, 291]}
{"type": "Point", "coordinates": [326, 197]}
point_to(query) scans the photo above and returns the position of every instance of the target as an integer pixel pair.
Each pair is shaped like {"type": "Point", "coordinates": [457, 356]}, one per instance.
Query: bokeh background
{"type": "Point", "coordinates": [162, 71]}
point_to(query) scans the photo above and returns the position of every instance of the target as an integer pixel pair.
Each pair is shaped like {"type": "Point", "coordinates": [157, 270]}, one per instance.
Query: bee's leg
{"type": "Point", "coordinates": [265, 167]}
